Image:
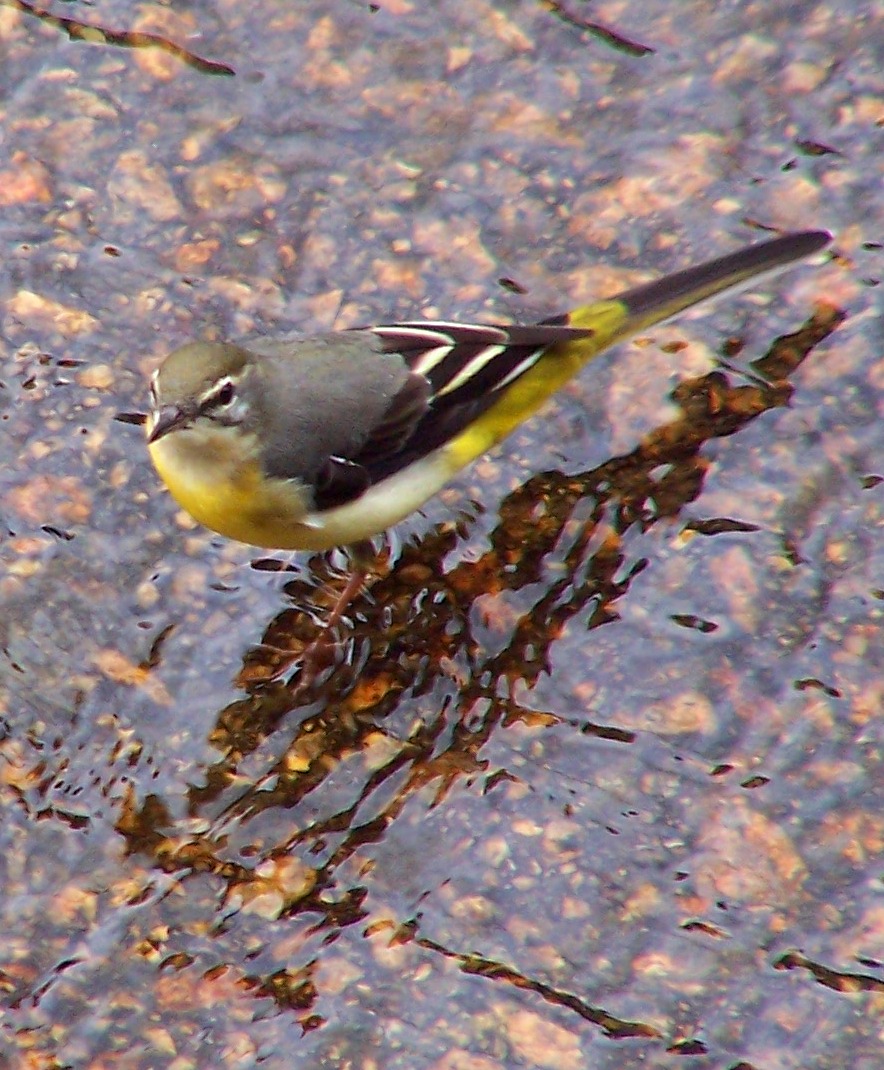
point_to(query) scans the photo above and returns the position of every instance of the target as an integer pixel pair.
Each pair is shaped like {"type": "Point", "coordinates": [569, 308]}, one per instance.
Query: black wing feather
{"type": "Point", "coordinates": [461, 369]}
{"type": "Point", "coordinates": [449, 375]}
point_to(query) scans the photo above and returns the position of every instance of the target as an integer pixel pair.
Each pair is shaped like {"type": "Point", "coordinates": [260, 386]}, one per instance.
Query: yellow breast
{"type": "Point", "coordinates": [214, 474]}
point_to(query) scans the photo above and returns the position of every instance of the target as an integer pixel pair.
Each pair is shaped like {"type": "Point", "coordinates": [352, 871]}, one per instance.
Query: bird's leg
{"type": "Point", "coordinates": [316, 656]}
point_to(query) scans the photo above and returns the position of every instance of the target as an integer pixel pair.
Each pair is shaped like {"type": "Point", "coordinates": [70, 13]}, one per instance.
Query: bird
{"type": "Point", "coordinates": [313, 442]}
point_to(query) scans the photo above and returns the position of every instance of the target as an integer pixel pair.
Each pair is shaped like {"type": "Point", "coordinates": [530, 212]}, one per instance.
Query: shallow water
{"type": "Point", "coordinates": [595, 777]}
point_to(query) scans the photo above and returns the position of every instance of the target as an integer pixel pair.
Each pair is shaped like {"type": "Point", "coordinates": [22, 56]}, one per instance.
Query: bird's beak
{"type": "Point", "coordinates": [162, 421]}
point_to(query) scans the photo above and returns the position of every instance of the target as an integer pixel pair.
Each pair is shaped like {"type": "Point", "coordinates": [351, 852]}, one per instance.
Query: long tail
{"type": "Point", "coordinates": [621, 317]}
{"type": "Point", "coordinates": [653, 302]}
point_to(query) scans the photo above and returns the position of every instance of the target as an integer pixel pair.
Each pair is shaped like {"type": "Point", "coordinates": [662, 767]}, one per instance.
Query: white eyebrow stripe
{"type": "Point", "coordinates": [472, 367]}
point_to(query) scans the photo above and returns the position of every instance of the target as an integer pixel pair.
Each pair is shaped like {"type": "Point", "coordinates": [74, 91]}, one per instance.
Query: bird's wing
{"type": "Point", "coordinates": [457, 371]}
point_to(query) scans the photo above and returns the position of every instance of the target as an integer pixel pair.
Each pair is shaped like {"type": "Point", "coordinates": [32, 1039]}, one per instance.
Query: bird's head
{"type": "Point", "coordinates": [201, 385]}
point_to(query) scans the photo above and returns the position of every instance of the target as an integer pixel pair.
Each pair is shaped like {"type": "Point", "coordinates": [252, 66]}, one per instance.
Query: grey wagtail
{"type": "Point", "coordinates": [309, 443]}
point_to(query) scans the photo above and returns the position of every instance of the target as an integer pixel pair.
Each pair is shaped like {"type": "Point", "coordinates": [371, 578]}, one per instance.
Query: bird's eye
{"type": "Point", "coordinates": [218, 401]}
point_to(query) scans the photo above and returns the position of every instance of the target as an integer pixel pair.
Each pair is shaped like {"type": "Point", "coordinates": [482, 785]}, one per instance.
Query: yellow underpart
{"type": "Point", "coordinates": [214, 474]}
